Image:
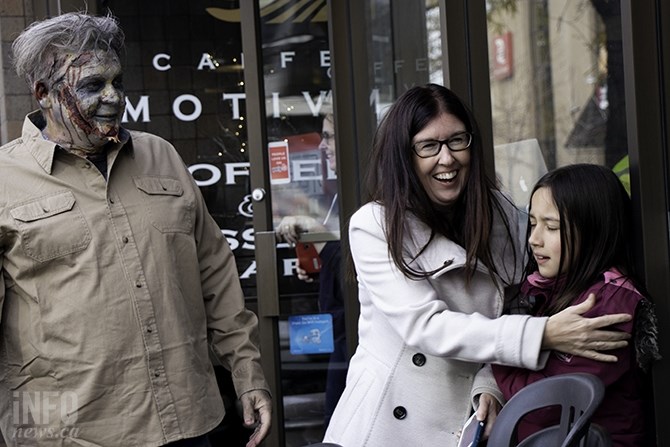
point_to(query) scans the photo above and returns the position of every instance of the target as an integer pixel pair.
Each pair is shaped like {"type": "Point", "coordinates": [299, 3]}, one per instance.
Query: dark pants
{"type": "Point", "coordinates": [200, 441]}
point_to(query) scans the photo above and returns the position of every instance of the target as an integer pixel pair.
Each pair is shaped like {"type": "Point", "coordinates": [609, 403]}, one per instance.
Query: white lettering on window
{"type": "Point", "coordinates": [236, 102]}
{"type": "Point", "coordinates": [251, 270]}
{"type": "Point", "coordinates": [234, 170]}
{"type": "Point", "coordinates": [324, 58]}
{"type": "Point", "coordinates": [197, 107]}
{"type": "Point", "coordinates": [216, 173]}
{"type": "Point", "coordinates": [206, 61]}
{"type": "Point", "coordinates": [306, 170]}
{"type": "Point", "coordinates": [134, 112]}
{"type": "Point", "coordinates": [286, 56]}
{"type": "Point", "coordinates": [315, 108]}
{"type": "Point", "coordinates": [156, 62]}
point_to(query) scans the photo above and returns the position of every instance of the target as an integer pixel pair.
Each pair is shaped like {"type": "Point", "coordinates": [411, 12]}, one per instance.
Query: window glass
{"type": "Point", "coordinates": [184, 81]}
{"type": "Point", "coordinates": [405, 44]}
{"type": "Point", "coordinates": [557, 89]}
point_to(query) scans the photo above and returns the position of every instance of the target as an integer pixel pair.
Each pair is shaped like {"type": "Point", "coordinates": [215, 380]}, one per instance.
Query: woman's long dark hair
{"type": "Point", "coordinates": [393, 182]}
{"type": "Point", "coordinates": [595, 228]}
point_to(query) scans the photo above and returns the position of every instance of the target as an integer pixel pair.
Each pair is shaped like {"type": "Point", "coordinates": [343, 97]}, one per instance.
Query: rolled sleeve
{"type": "Point", "coordinates": [485, 382]}
{"type": "Point", "coordinates": [232, 328]}
{"type": "Point", "coordinates": [529, 331]}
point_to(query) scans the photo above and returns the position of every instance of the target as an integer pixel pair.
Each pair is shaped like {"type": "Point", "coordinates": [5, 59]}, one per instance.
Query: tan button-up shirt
{"type": "Point", "coordinates": [111, 294]}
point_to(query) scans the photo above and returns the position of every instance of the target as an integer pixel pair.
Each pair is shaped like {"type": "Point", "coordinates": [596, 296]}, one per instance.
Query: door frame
{"type": "Point", "coordinates": [646, 59]}
{"type": "Point", "coordinates": [266, 275]}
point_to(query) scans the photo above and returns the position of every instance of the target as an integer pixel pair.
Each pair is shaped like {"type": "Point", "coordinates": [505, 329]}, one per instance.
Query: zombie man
{"type": "Point", "coordinates": [115, 282]}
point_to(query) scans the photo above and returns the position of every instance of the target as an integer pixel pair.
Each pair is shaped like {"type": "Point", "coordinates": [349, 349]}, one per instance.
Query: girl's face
{"type": "Point", "coordinates": [545, 233]}
{"type": "Point", "coordinates": [445, 175]}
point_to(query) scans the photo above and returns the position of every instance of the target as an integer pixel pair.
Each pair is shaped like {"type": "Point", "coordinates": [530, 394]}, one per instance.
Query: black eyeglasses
{"type": "Point", "coordinates": [430, 148]}
{"type": "Point", "coordinates": [327, 137]}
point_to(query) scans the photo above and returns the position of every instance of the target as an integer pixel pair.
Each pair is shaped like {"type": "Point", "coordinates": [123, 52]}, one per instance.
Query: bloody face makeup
{"type": "Point", "coordinates": [84, 107]}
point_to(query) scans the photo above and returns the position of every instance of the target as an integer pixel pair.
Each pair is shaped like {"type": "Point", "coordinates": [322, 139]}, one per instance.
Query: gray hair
{"type": "Point", "coordinates": [38, 50]}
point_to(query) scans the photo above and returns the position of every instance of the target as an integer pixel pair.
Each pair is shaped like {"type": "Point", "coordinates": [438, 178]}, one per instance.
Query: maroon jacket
{"type": "Point", "coordinates": [621, 411]}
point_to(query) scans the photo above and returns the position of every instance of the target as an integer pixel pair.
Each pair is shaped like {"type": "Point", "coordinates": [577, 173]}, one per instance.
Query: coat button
{"type": "Point", "coordinates": [399, 412]}
{"type": "Point", "coordinates": [419, 359]}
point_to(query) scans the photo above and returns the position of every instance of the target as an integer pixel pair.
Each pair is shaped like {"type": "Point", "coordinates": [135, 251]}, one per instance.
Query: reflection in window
{"type": "Point", "coordinates": [556, 86]}
{"type": "Point", "coordinates": [406, 47]}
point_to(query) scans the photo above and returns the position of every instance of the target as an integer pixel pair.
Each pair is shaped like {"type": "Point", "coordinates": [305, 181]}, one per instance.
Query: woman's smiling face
{"type": "Point", "coordinates": [445, 175]}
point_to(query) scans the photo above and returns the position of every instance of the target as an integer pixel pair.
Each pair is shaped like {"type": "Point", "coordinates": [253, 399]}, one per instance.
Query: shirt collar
{"type": "Point", "coordinates": [43, 150]}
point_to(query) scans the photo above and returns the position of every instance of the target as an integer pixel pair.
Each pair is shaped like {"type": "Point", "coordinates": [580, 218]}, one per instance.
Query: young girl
{"type": "Point", "coordinates": [579, 243]}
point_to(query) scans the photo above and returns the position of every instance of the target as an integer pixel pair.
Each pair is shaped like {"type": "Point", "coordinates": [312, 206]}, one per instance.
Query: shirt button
{"type": "Point", "coordinates": [138, 285]}
{"type": "Point", "coordinates": [399, 412]}
{"type": "Point", "coordinates": [111, 200]}
{"type": "Point", "coordinates": [125, 239]}
{"type": "Point", "coordinates": [149, 330]}
{"type": "Point", "coordinates": [419, 359]}
{"type": "Point", "coordinates": [157, 374]}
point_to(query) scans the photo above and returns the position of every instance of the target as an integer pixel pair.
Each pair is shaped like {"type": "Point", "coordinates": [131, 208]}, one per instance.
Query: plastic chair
{"type": "Point", "coordinates": [596, 436]}
{"type": "Point", "coordinates": [578, 395]}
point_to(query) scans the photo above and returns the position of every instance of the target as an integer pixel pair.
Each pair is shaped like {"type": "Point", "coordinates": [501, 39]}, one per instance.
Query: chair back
{"type": "Point", "coordinates": [596, 436]}
{"type": "Point", "coordinates": [577, 394]}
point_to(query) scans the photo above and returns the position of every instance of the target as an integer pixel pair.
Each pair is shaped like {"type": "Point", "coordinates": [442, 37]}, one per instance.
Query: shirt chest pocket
{"type": "Point", "coordinates": [168, 207]}
{"type": "Point", "coordinates": [51, 226]}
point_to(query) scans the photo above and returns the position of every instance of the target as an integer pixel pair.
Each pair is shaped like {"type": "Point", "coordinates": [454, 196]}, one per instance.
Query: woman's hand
{"type": "Point", "coordinates": [487, 411]}
{"type": "Point", "coordinates": [569, 332]}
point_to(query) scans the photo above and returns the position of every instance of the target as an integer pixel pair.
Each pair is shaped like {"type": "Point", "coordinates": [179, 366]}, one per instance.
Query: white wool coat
{"type": "Point", "coordinates": [423, 343]}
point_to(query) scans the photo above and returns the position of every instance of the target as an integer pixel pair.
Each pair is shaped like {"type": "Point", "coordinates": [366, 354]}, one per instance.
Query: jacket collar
{"type": "Point", "coordinates": [537, 284]}
{"type": "Point", "coordinates": [443, 255]}
{"type": "Point", "coordinates": [440, 256]}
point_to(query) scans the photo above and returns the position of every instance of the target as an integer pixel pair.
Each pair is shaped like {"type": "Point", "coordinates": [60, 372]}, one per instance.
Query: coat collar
{"type": "Point", "coordinates": [443, 255]}
{"type": "Point", "coordinates": [440, 256]}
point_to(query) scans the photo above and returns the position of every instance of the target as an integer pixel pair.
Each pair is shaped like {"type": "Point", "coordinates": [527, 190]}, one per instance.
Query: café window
{"type": "Point", "coordinates": [557, 89]}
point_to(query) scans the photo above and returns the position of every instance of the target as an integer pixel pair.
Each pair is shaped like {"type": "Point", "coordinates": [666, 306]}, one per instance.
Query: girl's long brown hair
{"type": "Point", "coordinates": [595, 225]}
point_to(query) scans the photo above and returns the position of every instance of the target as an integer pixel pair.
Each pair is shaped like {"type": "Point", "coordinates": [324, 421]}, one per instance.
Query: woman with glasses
{"type": "Point", "coordinates": [435, 250]}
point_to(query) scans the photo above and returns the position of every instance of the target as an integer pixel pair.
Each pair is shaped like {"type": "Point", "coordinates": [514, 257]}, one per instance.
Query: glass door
{"type": "Point", "coordinates": [304, 159]}
{"type": "Point", "coordinates": [293, 155]}
{"type": "Point", "coordinates": [243, 91]}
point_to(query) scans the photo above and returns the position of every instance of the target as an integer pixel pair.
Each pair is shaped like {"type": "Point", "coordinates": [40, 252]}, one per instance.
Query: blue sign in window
{"type": "Point", "coordinates": [311, 334]}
